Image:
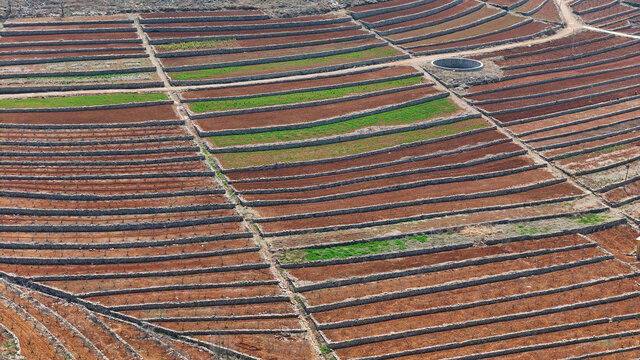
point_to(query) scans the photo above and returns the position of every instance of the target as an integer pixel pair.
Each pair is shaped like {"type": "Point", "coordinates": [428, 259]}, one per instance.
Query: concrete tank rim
{"type": "Point", "coordinates": [459, 64]}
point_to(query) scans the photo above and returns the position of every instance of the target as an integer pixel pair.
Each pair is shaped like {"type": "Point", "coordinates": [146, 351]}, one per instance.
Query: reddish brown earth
{"type": "Point", "coordinates": [618, 8]}
{"type": "Point", "coordinates": [413, 38]}
{"type": "Point", "coordinates": [410, 11]}
{"type": "Point", "coordinates": [44, 270]}
{"type": "Point", "coordinates": [545, 193]}
{"type": "Point", "coordinates": [72, 54]}
{"type": "Point", "coordinates": [259, 89]}
{"type": "Point", "coordinates": [169, 201]}
{"type": "Point", "coordinates": [574, 116]}
{"type": "Point", "coordinates": [188, 14]}
{"type": "Point", "coordinates": [389, 169]}
{"type": "Point", "coordinates": [101, 220]}
{"type": "Point", "coordinates": [550, 99]}
{"type": "Point", "coordinates": [130, 281]}
{"type": "Point", "coordinates": [324, 273]}
{"type": "Point", "coordinates": [112, 186]}
{"type": "Point", "coordinates": [63, 26]}
{"type": "Point", "coordinates": [598, 311]}
{"type": "Point", "coordinates": [255, 324]}
{"type": "Point", "coordinates": [620, 241]}
{"type": "Point", "coordinates": [611, 54]}
{"type": "Point", "coordinates": [471, 294]}
{"type": "Point", "coordinates": [423, 192]}
{"type": "Point", "coordinates": [594, 347]}
{"type": "Point", "coordinates": [63, 37]}
{"type": "Point", "coordinates": [521, 54]}
{"type": "Point", "coordinates": [264, 54]}
{"type": "Point", "coordinates": [189, 34]}
{"type": "Point", "coordinates": [107, 147]}
{"type": "Point", "coordinates": [141, 342]}
{"type": "Point", "coordinates": [382, 183]}
{"type": "Point", "coordinates": [227, 310]}
{"type": "Point", "coordinates": [378, 158]}
{"type": "Point", "coordinates": [126, 115]}
{"type": "Point", "coordinates": [524, 30]}
{"type": "Point", "coordinates": [592, 144]}
{"type": "Point", "coordinates": [586, 135]}
{"type": "Point", "coordinates": [548, 12]}
{"type": "Point", "coordinates": [380, 5]}
{"type": "Point", "coordinates": [81, 320]}
{"type": "Point", "coordinates": [623, 193]}
{"type": "Point", "coordinates": [69, 48]}
{"type": "Point", "coordinates": [595, 159]}
{"type": "Point", "coordinates": [546, 110]}
{"type": "Point", "coordinates": [312, 113]}
{"type": "Point", "coordinates": [569, 129]}
{"type": "Point", "coordinates": [483, 312]}
{"type": "Point", "coordinates": [451, 221]}
{"type": "Point", "coordinates": [133, 252]}
{"type": "Point", "coordinates": [281, 22]}
{"type": "Point", "coordinates": [526, 80]}
{"type": "Point", "coordinates": [557, 336]}
{"type": "Point", "coordinates": [60, 157]}
{"type": "Point", "coordinates": [186, 295]}
{"type": "Point", "coordinates": [54, 170]}
{"type": "Point", "coordinates": [344, 293]}
{"type": "Point", "coordinates": [71, 135]}
{"type": "Point", "coordinates": [557, 85]}
{"type": "Point", "coordinates": [128, 236]}
{"type": "Point", "coordinates": [25, 332]}
{"type": "Point", "coordinates": [440, 16]}
{"type": "Point", "coordinates": [265, 346]}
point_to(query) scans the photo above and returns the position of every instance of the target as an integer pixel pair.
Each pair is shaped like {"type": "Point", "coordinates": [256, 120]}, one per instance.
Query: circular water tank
{"type": "Point", "coordinates": [457, 64]}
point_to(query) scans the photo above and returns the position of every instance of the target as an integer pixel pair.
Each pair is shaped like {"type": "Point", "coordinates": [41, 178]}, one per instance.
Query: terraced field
{"type": "Point", "coordinates": [227, 185]}
{"type": "Point", "coordinates": [432, 27]}
{"type": "Point", "coordinates": [73, 54]}
{"type": "Point", "coordinates": [610, 15]}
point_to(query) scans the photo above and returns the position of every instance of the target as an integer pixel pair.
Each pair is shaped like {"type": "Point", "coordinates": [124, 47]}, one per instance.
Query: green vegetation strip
{"type": "Point", "coordinates": [590, 219]}
{"type": "Point", "coordinates": [267, 157]}
{"type": "Point", "coordinates": [221, 105]}
{"type": "Point", "coordinates": [195, 45]}
{"type": "Point", "coordinates": [353, 250]}
{"type": "Point", "coordinates": [86, 100]}
{"type": "Point", "coordinates": [407, 115]}
{"type": "Point", "coordinates": [378, 52]}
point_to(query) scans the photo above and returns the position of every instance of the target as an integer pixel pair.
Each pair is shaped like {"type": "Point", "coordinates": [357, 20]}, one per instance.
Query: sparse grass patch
{"type": "Point", "coordinates": [403, 116]}
{"type": "Point", "coordinates": [258, 101]}
{"type": "Point", "coordinates": [590, 219]}
{"type": "Point", "coordinates": [374, 53]}
{"type": "Point", "coordinates": [85, 100]}
{"type": "Point", "coordinates": [195, 45]}
{"type": "Point", "coordinates": [532, 230]}
{"type": "Point", "coordinates": [353, 250]}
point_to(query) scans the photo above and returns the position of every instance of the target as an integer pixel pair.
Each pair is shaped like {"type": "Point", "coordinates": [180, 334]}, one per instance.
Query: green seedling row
{"type": "Point", "coordinates": [402, 116]}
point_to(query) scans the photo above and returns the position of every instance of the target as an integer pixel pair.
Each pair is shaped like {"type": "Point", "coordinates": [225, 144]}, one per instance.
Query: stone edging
{"type": "Point", "coordinates": [416, 217]}
{"type": "Point", "coordinates": [288, 73]}
{"type": "Point", "coordinates": [261, 61]}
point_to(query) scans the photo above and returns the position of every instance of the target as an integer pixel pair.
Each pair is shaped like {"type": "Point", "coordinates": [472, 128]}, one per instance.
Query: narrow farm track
{"type": "Point", "coordinates": [311, 298]}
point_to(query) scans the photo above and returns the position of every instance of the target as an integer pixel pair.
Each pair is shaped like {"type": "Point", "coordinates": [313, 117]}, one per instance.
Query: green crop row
{"type": "Point", "coordinates": [195, 45]}
{"type": "Point", "coordinates": [220, 105]}
{"type": "Point", "coordinates": [377, 52]}
{"type": "Point", "coordinates": [353, 250]}
{"type": "Point", "coordinates": [402, 116]}
{"type": "Point", "coordinates": [85, 100]}
{"type": "Point", "coordinates": [267, 157]}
